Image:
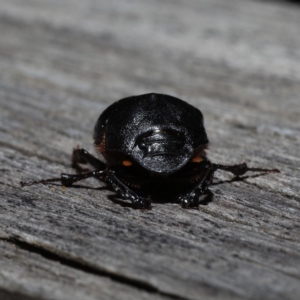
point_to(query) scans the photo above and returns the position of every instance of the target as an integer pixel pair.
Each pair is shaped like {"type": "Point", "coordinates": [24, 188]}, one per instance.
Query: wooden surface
{"type": "Point", "coordinates": [63, 62]}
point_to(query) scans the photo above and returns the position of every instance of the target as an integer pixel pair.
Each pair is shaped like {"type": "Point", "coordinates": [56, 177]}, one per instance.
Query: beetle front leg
{"type": "Point", "coordinates": [81, 156]}
{"type": "Point", "coordinates": [138, 202]}
{"type": "Point", "coordinates": [191, 197]}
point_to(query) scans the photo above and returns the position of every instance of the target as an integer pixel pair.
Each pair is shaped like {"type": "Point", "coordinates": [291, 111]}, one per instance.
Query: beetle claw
{"type": "Point", "coordinates": [142, 203]}
{"type": "Point", "coordinates": [188, 200]}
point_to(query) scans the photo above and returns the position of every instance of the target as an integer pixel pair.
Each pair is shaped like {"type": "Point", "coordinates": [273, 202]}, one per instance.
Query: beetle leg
{"type": "Point", "coordinates": [81, 156]}
{"type": "Point", "coordinates": [191, 197]}
{"type": "Point", "coordinates": [241, 169]}
{"type": "Point", "coordinates": [67, 179]}
{"type": "Point", "coordinates": [138, 201]}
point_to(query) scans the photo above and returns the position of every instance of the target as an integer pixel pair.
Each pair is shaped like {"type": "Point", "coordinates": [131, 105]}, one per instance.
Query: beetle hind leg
{"type": "Point", "coordinates": [241, 169]}
{"type": "Point", "coordinates": [79, 156]}
{"type": "Point", "coordinates": [67, 179]}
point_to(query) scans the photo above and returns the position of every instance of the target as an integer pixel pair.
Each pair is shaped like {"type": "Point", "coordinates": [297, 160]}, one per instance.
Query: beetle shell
{"type": "Point", "coordinates": [158, 132]}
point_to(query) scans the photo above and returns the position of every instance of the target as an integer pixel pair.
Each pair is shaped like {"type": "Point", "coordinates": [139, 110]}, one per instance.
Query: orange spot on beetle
{"type": "Point", "coordinates": [196, 159]}
{"type": "Point", "coordinates": [126, 163]}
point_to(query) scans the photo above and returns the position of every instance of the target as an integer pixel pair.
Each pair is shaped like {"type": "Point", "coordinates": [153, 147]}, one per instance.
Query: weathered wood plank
{"type": "Point", "coordinates": [244, 236]}
{"type": "Point", "coordinates": [62, 64]}
{"type": "Point", "coordinates": [28, 275]}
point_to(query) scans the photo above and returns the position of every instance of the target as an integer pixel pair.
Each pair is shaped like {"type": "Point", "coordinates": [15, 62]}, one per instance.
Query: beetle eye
{"type": "Point", "coordinates": [126, 163]}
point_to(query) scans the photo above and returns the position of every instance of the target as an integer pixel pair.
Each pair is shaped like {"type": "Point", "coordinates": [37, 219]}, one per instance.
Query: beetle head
{"type": "Point", "coordinates": [161, 151]}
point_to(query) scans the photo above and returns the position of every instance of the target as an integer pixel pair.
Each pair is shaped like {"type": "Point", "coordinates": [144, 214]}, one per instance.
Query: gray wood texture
{"type": "Point", "coordinates": [62, 62]}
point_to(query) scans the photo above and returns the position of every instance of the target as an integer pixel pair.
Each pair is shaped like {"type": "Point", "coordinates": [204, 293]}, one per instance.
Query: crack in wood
{"type": "Point", "coordinates": [142, 285]}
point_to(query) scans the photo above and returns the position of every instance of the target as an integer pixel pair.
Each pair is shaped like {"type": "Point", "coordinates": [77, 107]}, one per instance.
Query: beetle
{"type": "Point", "coordinates": [154, 145]}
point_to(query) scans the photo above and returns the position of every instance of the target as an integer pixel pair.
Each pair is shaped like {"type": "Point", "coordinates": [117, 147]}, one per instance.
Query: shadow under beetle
{"type": "Point", "coordinates": [154, 145]}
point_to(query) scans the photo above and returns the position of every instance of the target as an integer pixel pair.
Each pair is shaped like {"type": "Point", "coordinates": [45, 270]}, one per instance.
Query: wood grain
{"type": "Point", "coordinates": [63, 62]}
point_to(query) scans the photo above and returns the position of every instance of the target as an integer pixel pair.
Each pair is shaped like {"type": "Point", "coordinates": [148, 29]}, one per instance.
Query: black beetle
{"type": "Point", "coordinates": [155, 145]}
